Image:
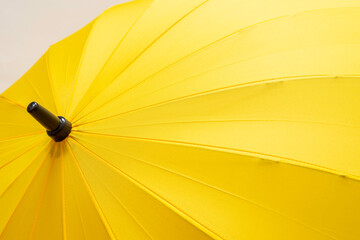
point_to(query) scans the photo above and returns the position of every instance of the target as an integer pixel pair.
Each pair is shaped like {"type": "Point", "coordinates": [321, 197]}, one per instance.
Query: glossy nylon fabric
{"type": "Point", "coordinates": [193, 119]}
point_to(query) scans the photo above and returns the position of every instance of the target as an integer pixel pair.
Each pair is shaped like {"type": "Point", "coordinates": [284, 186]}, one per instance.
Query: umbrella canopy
{"type": "Point", "coordinates": [190, 119]}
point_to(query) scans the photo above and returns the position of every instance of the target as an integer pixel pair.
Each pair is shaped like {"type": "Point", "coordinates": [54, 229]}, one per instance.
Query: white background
{"type": "Point", "coordinates": [29, 27]}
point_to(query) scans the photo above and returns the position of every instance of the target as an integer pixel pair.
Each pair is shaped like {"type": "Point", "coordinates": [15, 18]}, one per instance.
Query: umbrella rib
{"type": "Point", "coordinates": [187, 56]}
{"type": "Point", "coordinates": [212, 91]}
{"type": "Point", "coordinates": [67, 79]}
{"type": "Point", "coordinates": [76, 202]}
{"type": "Point", "coordinates": [241, 198]}
{"type": "Point", "coordinates": [80, 216]}
{"type": "Point", "coordinates": [215, 43]}
{"type": "Point", "coordinates": [42, 194]}
{"type": "Point", "coordinates": [26, 190]}
{"type": "Point", "coordinates": [128, 212]}
{"type": "Point", "coordinates": [145, 49]}
{"type": "Point", "coordinates": [247, 152]}
{"type": "Point", "coordinates": [13, 124]}
{"type": "Point", "coordinates": [112, 53]}
{"type": "Point", "coordinates": [13, 102]}
{"type": "Point", "coordinates": [23, 153]}
{"type": "Point", "coordinates": [203, 73]}
{"type": "Point", "coordinates": [91, 194]}
{"type": "Point", "coordinates": [235, 120]}
{"type": "Point", "coordinates": [35, 90]}
{"type": "Point", "coordinates": [20, 136]}
{"type": "Point", "coordinates": [181, 213]}
{"type": "Point", "coordinates": [80, 64]}
{"type": "Point", "coordinates": [7, 188]}
{"type": "Point", "coordinates": [179, 60]}
{"type": "Point", "coordinates": [50, 79]}
{"type": "Point", "coordinates": [63, 189]}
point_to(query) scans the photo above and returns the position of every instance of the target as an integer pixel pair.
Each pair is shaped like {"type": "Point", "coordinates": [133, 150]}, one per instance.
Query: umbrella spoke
{"type": "Point", "coordinates": [112, 53]}
{"type": "Point", "coordinates": [195, 181]}
{"type": "Point", "coordinates": [44, 154]}
{"type": "Point", "coordinates": [172, 64]}
{"type": "Point", "coordinates": [79, 210]}
{"type": "Point", "coordinates": [62, 175]}
{"type": "Point", "coordinates": [23, 152]}
{"type": "Point", "coordinates": [90, 192]}
{"type": "Point", "coordinates": [51, 83]}
{"type": "Point", "coordinates": [42, 195]}
{"type": "Point", "coordinates": [13, 102]}
{"type": "Point", "coordinates": [271, 157]}
{"type": "Point", "coordinates": [209, 92]}
{"type": "Point", "coordinates": [141, 53]}
{"type": "Point", "coordinates": [173, 208]}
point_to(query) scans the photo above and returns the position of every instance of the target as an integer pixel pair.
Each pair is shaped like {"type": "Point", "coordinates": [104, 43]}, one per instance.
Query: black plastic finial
{"type": "Point", "coordinates": [58, 128]}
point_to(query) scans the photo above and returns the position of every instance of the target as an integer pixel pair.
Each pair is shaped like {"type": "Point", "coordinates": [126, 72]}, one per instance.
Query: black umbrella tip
{"type": "Point", "coordinates": [32, 107]}
{"type": "Point", "coordinates": [58, 128]}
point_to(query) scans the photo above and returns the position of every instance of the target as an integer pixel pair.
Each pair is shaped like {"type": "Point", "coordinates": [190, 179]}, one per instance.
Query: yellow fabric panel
{"type": "Point", "coordinates": [152, 23]}
{"type": "Point", "coordinates": [13, 166]}
{"type": "Point", "coordinates": [221, 44]}
{"type": "Point", "coordinates": [235, 195]}
{"type": "Point", "coordinates": [131, 209]}
{"type": "Point", "coordinates": [236, 60]}
{"type": "Point", "coordinates": [16, 147]}
{"type": "Point", "coordinates": [19, 204]}
{"type": "Point", "coordinates": [63, 64]}
{"type": "Point", "coordinates": [15, 122]}
{"type": "Point", "coordinates": [48, 222]}
{"type": "Point", "coordinates": [296, 120]}
{"type": "Point", "coordinates": [106, 34]}
{"type": "Point", "coordinates": [79, 209]}
{"type": "Point", "coordinates": [35, 85]}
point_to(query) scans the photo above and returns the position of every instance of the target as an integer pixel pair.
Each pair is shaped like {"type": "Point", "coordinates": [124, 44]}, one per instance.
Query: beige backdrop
{"type": "Point", "coordinates": [29, 27]}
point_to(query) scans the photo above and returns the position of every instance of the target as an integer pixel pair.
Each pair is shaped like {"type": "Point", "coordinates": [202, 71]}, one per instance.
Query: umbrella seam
{"type": "Point", "coordinates": [236, 120]}
{"type": "Point", "coordinates": [218, 148]}
{"type": "Point", "coordinates": [13, 102]}
{"type": "Point", "coordinates": [42, 195]}
{"type": "Point", "coordinates": [35, 90]}
{"type": "Point", "coordinates": [51, 80]}
{"type": "Point", "coordinates": [76, 202]}
{"type": "Point", "coordinates": [25, 191]}
{"type": "Point", "coordinates": [91, 194]}
{"type": "Point", "coordinates": [198, 50]}
{"type": "Point", "coordinates": [80, 63]}
{"type": "Point", "coordinates": [17, 157]}
{"type": "Point", "coordinates": [219, 90]}
{"type": "Point", "coordinates": [195, 76]}
{"type": "Point", "coordinates": [181, 213]}
{"type": "Point", "coordinates": [129, 213]}
{"type": "Point", "coordinates": [225, 192]}
{"type": "Point", "coordinates": [20, 136]}
{"type": "Point", "coordinates": [215, 43]}
{"type": "Point", "coordinates": [145, 49]}
{"type": "Point", "coordinates": [112, 53]}
{"type": "Point", "coordinates": [63, 190]}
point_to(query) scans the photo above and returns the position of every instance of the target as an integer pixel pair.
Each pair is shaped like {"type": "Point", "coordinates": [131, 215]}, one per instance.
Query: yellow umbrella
{"type": "Point", "coordinates": [190, 119]}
